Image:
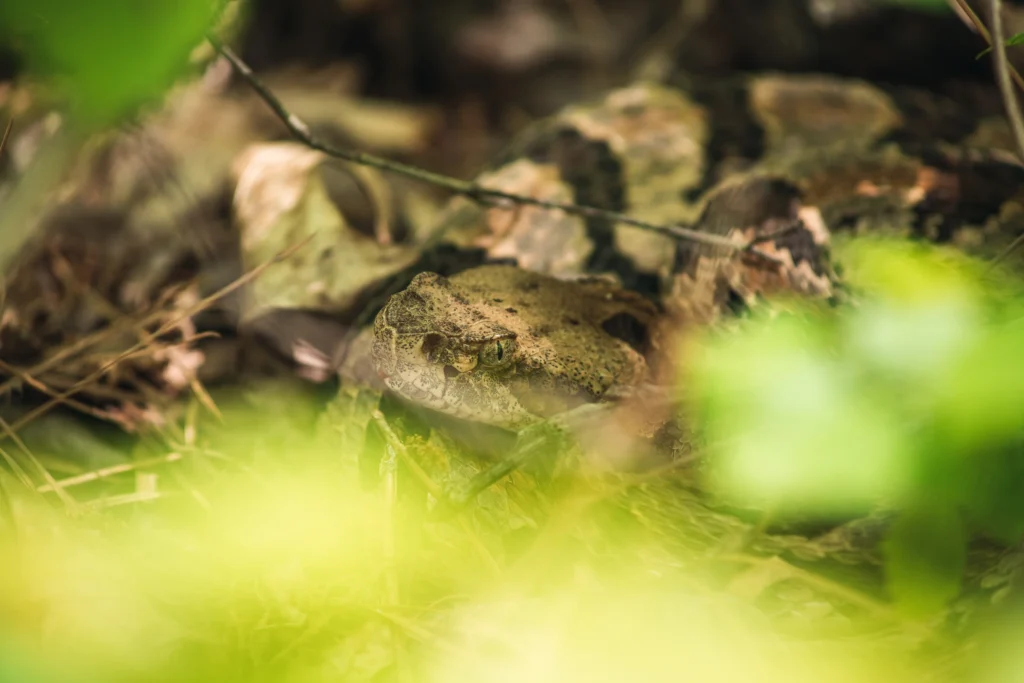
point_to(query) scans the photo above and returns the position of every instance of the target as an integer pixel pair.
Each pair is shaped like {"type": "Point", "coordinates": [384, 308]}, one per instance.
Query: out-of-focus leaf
{"type": "Point", "coordinates": [913, 340]}
{"type": "Point", "coordinates": [601, 637]}
{"type": "Point", "coordinates": [999, 657]}
{"type": "Point", "coordinates": [910, 271]}
{"type": "Point", "coordinates": [915, 393]}
{"type": "Point", "coordinates": [990, 482]}
{"type": "Point", "coordinates": [791, 424]}
{"type": "Point", "coordinates": [983, 397]}
{"type": "Point", "coordinates": [937, 332]}
{"type": "Point", "coordinates": [107, 56]}
{"type": "Point", "coordinates": [17, 665]}
{"type": "Point", "coordinates": [925, 555]}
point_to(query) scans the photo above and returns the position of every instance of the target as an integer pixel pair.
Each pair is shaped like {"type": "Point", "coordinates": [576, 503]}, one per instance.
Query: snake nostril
{"type": "Point", "coordinates": [432, 343]}
{"type": "Point", "coordinates": [450, 372]}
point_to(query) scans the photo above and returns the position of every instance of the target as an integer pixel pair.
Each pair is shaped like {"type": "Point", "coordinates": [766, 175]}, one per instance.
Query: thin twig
{"type": "Point", "coordinates": [116, 326]}
{"type": "Point", "coordinates": [3, 144]}
{"type": "Point", "coordinates": [123, 499]}
{"type": "Point", "coordinates": [471, 190]}
{"type": "Point", "coordinates": [96, 475]}
{"type": "Point", "coordinates": [42, 387]}
{"type": "Point", "coordinates": [1012, 247]}
{"type": "Point", "coordinates": [1004, 72]}
{"type": "Point", "coordinates": [433, 488]}
{"type": "Point", "coordinates": [1010, 101]}
{"type": "Point", "coordinates": [458, 496]}
{"type": "Point", "coordinates": [978, 24]}
{"type": "Point", "coordinates": [392, 586]}
{"type": "Point", "coordinates": [389, 472]}
{"type": "Point", "coordinates": [773, 235]}
{"type": "Point", "coordinates": [19, 471]}
{"type": "Point", "coordinates": [7, 513]}
{"type": "Point", "coordinates": [69, 503]}
{"type": "Point", "coordinates": [7, 133]}
{"type": "Point", "coordinates": [163, 329]}
{"type": "Point", "coordinates": [65, 353]}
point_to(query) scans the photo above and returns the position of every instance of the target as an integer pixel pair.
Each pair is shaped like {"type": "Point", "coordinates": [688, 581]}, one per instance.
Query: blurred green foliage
{"type": "Point", "coordinates": [913, 398]}
{"type": "Point", "coordinates": [287, 569]}
{"type": "Point", "coordinates": [926, 5]}
{"type": "Point", "coordinates": [106, 56]}
{"type": "Point", "coordinates": [273, 554]}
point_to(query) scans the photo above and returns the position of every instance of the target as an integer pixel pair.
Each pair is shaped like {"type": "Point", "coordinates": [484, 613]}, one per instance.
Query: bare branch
{"type": "Point", "coordinates": [978, 24]}
{"type": "Point", "coordinates": [1004, 72]}
{"type": "Point", "coordinates": [473, 191]}
{"type": "Point", "coordinates": [1010, 100]}
{"type": "Point", "coordinates": [7, 133]}
{"type": "Point", "coordinates": [149, 338]}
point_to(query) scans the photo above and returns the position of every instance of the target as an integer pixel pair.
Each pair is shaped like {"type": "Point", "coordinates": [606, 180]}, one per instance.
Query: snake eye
{"type": "Point", "coordinates": [497, 352]}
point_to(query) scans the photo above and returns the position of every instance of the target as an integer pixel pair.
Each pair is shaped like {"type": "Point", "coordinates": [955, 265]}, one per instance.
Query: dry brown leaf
{"type": "Point", "coordinates": [281, 199]}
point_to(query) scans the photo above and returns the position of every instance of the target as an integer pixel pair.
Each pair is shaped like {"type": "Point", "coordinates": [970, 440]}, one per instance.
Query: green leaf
{"type": "Point", "coordinates": [1016, 39]}
{"type": "Point", "coordinates": [107, 56]}
{"type": "Point", "coordinates": [925, 555]}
